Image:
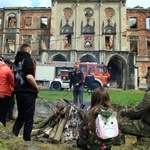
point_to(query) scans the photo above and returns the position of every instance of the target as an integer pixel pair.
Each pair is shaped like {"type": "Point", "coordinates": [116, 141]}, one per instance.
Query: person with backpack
{"type": "Point", "coordinates": [88, 137]}
{"type": "Point", "coordinates": [26, 90]}
{"type": "Point", "coordinates": [6, 89]}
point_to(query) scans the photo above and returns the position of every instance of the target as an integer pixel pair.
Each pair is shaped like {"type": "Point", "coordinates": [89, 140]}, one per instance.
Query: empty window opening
{"type": "Point", "coordinates": [10, 46]}
{"type": "Point", "coordinates": [148, 23]}
{"type": "Point", "coordinates": [88, 41]}
{"type": "Point", "coordinates": [12, 21]}
{"type": "Point", "coordinates": [134, 44]}
{"type": "Point", "coordinates": [133, 23]}
{"type": "Point", "coordinates": [108, 42]}
{"type": "Point", "coordinates": [67, 41]}
{"type": "Point", "coordinates": [27, 39]}
{"type": "Point", "coordinates": [44, 42]}
{"type": "Point", "coordinates": [148, 45]}
{"type": "Point", "coordinates": [44, 22]}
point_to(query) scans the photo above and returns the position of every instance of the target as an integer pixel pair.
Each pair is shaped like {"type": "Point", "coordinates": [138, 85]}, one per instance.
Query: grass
{"type": "Point", "coordinates": [123, 97]}
{"type": "Point", "coordinates": [126, 97]}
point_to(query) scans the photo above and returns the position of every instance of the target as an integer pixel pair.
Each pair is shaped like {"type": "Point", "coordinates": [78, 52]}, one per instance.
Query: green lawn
{"type": "Point", "coordinates": [124, 97]}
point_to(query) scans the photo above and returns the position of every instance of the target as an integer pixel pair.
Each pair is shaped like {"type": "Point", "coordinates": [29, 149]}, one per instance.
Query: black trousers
{"type": "Point", "coordinates": [4, 106]}
{"type": "Point", "coordinates": [26, 108]}
{"type": "Point", "coordinates": [11, 107]}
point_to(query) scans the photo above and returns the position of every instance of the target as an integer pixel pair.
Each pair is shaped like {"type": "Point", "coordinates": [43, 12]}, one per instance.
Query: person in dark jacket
{"type": "Point", "coordinates": [137, 118]}
{"type": "Point", "coordinates": [89, 80]}
{"type": "Point", "coordinates": [26, 93]}
{"type": "Point", "coordinates": [76, 80]}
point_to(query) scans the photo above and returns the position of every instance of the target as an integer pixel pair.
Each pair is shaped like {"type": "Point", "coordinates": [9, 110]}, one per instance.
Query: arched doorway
{"type": "Point", "coordinates": [87, 58]}
{"type": "Point", "coordinates": [59, 57]}
{"type": "Point", "coordinates": [117, 68]}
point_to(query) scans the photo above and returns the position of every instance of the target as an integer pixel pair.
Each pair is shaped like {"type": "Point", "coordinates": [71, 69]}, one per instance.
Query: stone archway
{"type": "Point", "coordinates": [87, 58]}
{"type": "Point", "coordinates": [59, 57]}
{"type": "Point", "coordinates": [117, 68]}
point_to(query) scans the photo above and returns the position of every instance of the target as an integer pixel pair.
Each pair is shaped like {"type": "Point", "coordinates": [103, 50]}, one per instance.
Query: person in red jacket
{"type": "Point", "coordinates": [6, 89]}
{"type": "Point", "coordinates": [10, 116]}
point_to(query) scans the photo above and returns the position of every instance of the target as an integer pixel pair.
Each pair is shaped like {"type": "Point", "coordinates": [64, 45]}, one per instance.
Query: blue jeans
{"type": "Point", "coordinates": [78, 93]}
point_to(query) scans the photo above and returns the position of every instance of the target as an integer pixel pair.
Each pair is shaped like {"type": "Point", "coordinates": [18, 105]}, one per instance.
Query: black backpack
{"type": "Point", "coordinates": [18, 74]}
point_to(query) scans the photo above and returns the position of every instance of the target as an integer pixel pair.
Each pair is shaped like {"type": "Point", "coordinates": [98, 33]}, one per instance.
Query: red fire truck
{"type": "Point", "coordinates": [55, 75]}
{"type": "Point", "coordinates": [100, 72]}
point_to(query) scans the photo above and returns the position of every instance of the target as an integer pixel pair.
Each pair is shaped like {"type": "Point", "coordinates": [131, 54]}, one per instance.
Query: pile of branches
{"type": "Point", "coordinates": [61, 126]}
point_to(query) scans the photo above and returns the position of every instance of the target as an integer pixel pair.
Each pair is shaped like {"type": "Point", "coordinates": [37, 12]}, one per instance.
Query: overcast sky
{"type": "Point", "coordinates": [47, 3]}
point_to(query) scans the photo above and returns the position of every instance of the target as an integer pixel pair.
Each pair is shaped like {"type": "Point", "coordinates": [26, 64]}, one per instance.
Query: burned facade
{"type": "Point", "coordinates": [82, 31]}
{"type": "Point", "coordinates": [138, 39]}
{"type": "Point", "coordinates": [92, 32]}
{"type": "Point", "coordinates": [24, 25]}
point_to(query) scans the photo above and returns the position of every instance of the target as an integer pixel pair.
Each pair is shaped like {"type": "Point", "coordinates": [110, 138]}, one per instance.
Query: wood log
{"type": "Point", "coordinates": [52, 135]}
{"type": "Point", "coordinates": [59, 131]}
{"type": "Point", "coordinates": [43, 123]}
{"type": "Point", "coordinates": [37, 120]}
{"type": "Point", "coordinates": [59, 120]}
{"type": "Point", "coordinates": [47, 131]}
{"type": "Point", "coordinates": [35, 132]}
{"type": "Point", "coordinates": [40, 135]}
{"type": "Point", "coordinates": [61, 126]}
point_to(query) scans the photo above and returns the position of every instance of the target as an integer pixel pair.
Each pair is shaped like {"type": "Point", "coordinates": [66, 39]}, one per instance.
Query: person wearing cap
{"type": "Point", "coordinates": [137, 119]}
{"type": "Point", "coordinates": [6, 89]}
{"type": "Point", "coordinates": [10, 116]}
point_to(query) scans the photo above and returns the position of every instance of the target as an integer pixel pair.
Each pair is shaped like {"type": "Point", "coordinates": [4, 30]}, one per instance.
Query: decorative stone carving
{"type": "Point", "coordinates": [66, 29]}
{"type": "Point", "coordinates": [88, 29]}
{"type": "Point", "coordinates": [109, 29]}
